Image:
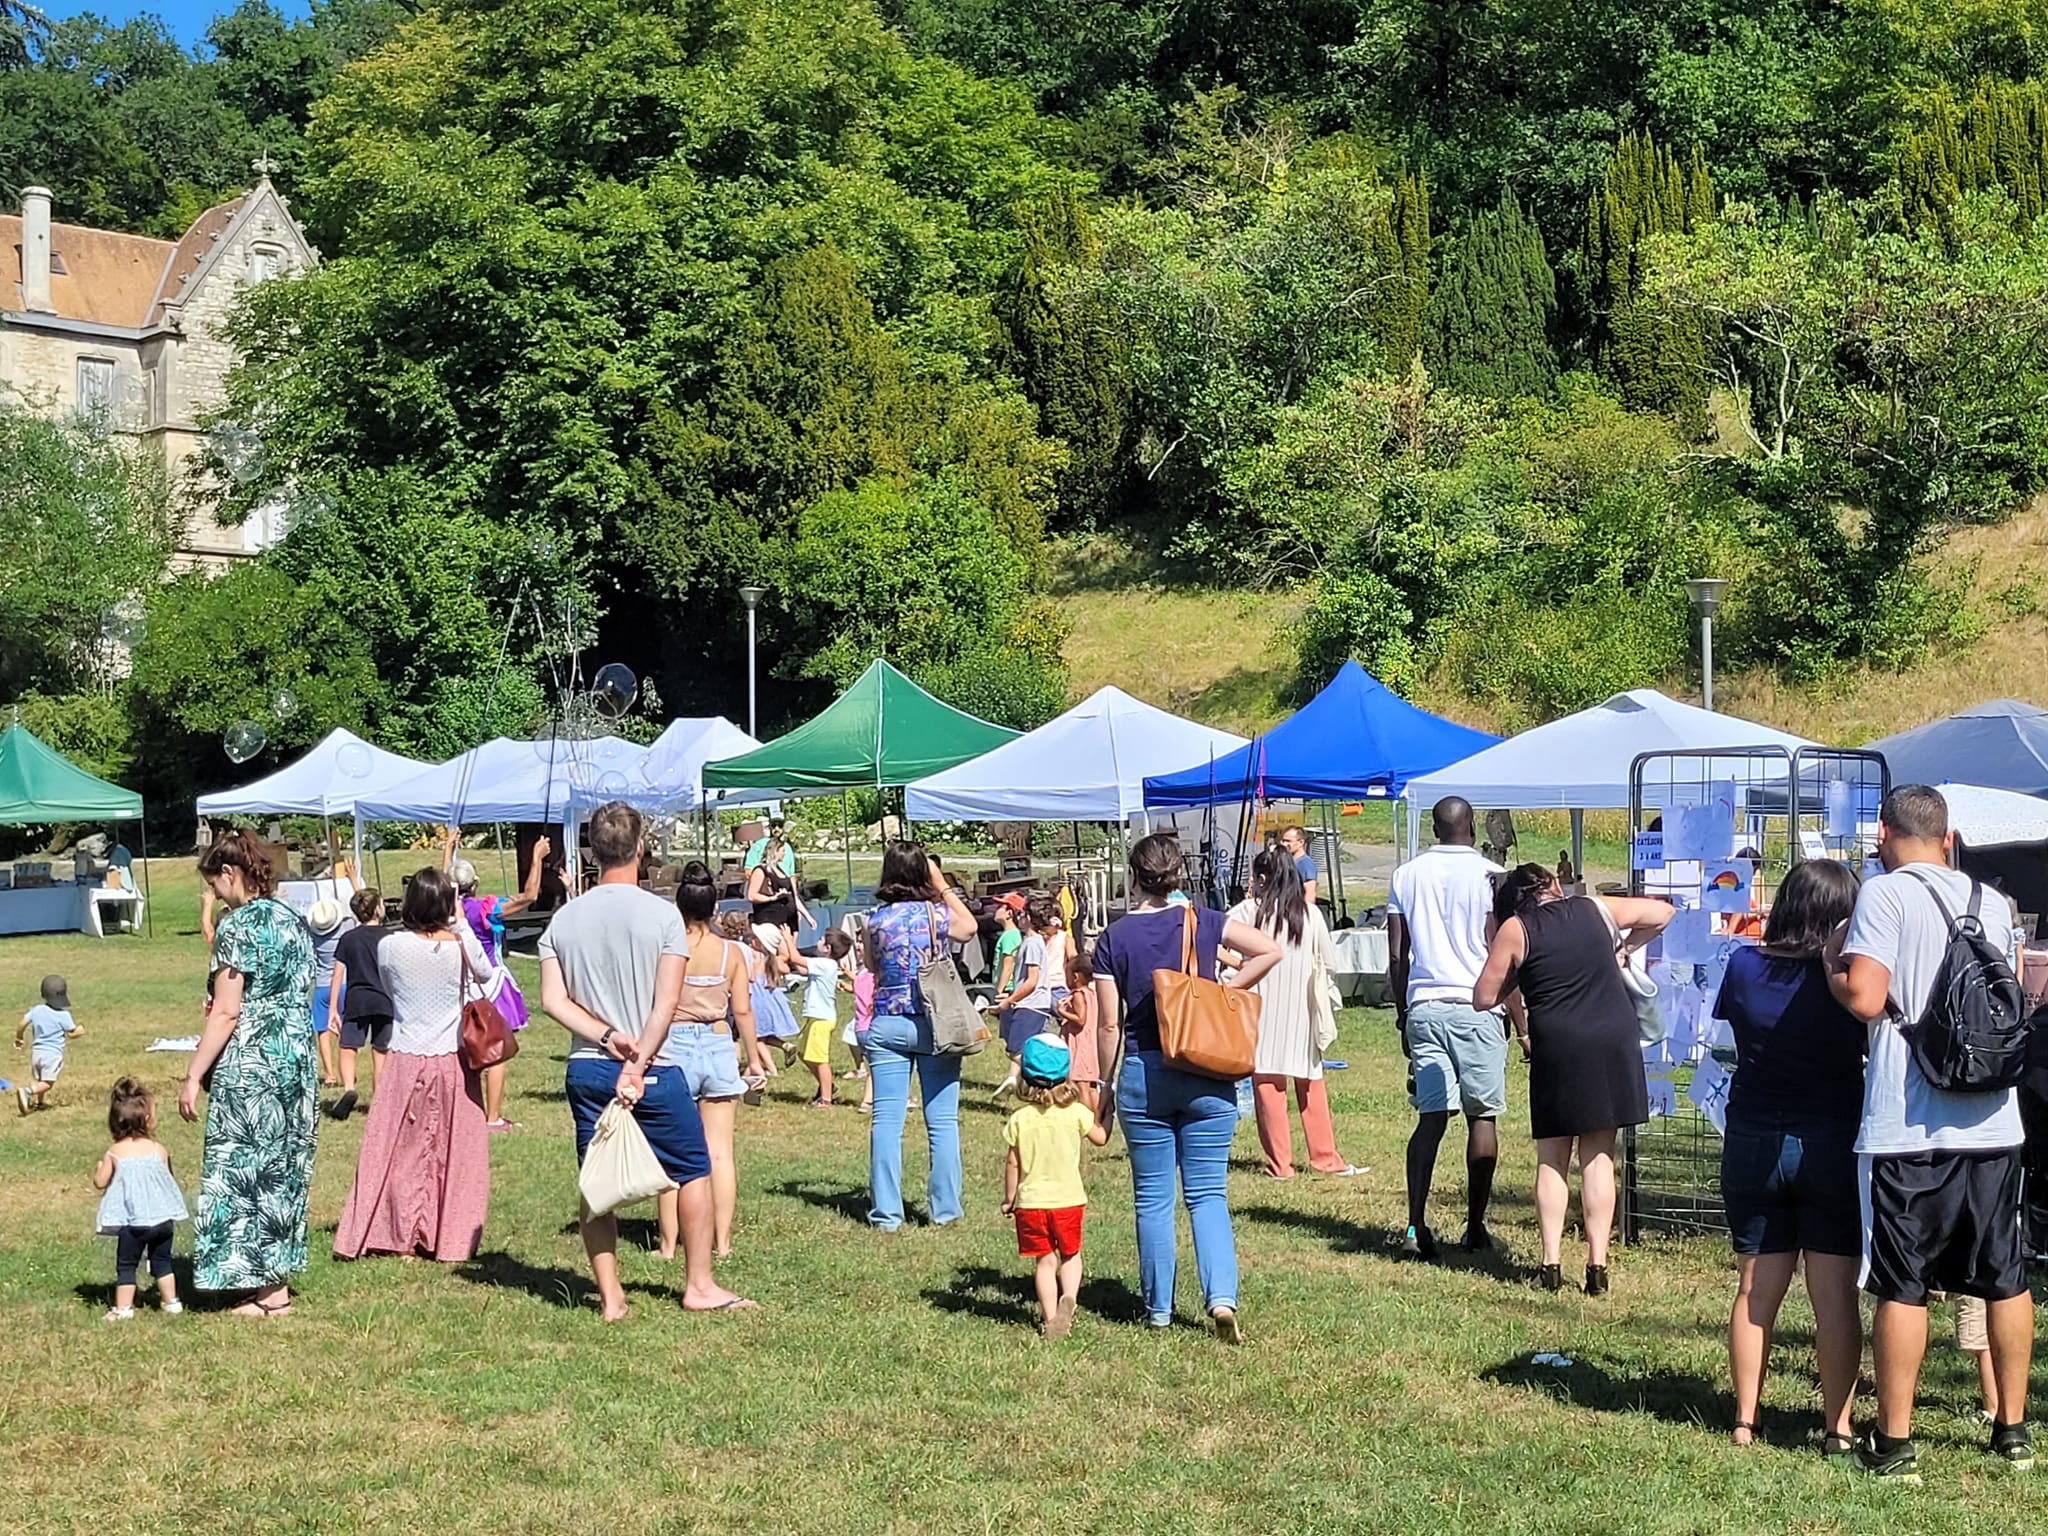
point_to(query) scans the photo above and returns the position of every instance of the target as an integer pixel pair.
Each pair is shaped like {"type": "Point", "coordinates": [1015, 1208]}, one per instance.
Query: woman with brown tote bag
{"type": "Point", "coordinates": [1177, 1124]}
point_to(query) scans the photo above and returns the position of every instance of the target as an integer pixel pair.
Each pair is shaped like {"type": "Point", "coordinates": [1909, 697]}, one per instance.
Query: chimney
{"type": "Point", "coordinates": [35, 251]}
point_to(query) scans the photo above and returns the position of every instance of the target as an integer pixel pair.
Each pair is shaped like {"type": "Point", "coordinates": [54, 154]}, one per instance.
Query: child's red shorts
{"type": "Point", "coordinates": [1043, 1232]}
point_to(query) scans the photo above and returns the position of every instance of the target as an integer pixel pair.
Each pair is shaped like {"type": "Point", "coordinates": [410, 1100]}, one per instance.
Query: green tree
{"type": "Point", "coordinates": [84, 525]}
{"type": "Point", "coordinates": [1494, 309]}
{"type": "Point", "coordinates": [1999, 140]}
{"type": "Point", "coordinates": [1657, 360]}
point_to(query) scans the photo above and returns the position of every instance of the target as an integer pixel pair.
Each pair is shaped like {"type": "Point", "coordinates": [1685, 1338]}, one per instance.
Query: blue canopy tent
{"type": "Point", "coordinates": [2002, 744]}
{"type": "Point", "coordinates": [1355, 738]}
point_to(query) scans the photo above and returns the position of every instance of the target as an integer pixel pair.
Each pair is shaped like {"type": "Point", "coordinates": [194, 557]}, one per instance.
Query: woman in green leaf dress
{"type": "Point", "coordinates": [262, 1102]}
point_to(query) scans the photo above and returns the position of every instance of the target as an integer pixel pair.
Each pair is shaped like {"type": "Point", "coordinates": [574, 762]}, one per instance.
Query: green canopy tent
{"type": "Point", "coordinates": [882, 733]}
{"type": "Point", "coordinates": [39, 784]}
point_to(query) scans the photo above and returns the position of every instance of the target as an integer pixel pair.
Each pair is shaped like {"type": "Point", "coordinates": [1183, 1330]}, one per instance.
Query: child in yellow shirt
{"type": "Point", "coordinates": [1042, 1176]}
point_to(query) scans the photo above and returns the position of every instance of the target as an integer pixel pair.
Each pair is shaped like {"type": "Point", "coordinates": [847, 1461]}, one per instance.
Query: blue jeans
{"type": "Point", "coordinates": [1174, 1119]}
{"type": "Point", "coordinates": [896, 1043]}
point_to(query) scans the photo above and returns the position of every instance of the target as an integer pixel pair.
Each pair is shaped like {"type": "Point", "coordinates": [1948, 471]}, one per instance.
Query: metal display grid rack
{"type": "Point", "coordinates": [1811, 803]}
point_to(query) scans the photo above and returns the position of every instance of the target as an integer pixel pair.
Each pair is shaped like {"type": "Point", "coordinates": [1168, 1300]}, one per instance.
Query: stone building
{"type": "Point", "coordinates": [129, 330]}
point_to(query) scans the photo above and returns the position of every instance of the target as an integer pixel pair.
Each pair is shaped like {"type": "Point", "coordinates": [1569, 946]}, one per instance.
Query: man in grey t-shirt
{"type": "Point", "coordinates": [611, 971]}
{"type": "Point", "coordinates": [1942, 1170]}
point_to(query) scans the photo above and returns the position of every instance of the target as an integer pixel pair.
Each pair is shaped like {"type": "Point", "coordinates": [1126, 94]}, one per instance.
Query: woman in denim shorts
{"type": "Point", "coordinates": [713, 1008]}
{"type": "Point", "coordinates": [1788, 1168]}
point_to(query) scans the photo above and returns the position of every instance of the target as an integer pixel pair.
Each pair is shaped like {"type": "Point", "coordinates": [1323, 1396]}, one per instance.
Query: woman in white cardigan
{"type": "Point", "coordinates": [1296, 1020]}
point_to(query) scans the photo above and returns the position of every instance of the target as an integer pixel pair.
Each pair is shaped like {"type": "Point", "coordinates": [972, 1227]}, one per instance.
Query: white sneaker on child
{"type": "Point", "coordinates": [120, 1314]}
{"type": "Point", "coordinates": [173, 1307]}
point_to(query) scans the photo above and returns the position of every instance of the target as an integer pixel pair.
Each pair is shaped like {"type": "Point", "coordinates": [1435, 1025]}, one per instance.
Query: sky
{"type": "Point", "coordinates": [187, 19]}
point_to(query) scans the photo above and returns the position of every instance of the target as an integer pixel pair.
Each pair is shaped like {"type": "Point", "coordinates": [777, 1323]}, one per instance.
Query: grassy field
{"type": "Point", "coordinates": [888, 1383]}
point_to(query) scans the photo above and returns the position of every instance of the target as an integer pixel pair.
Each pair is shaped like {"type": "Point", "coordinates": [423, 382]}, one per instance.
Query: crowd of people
{"type": "Point", "coordinates": [1845, 1153]}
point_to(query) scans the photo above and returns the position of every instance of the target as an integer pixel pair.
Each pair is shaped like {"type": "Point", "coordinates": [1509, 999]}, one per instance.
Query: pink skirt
{"type": "Point", "coordinates": [423, 1179]}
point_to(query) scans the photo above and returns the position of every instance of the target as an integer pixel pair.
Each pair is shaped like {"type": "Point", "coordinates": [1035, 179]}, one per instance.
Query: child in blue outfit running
{"type": "Point", "coordinates": [142, 1200]}
{"type": "Point", "coordinates": [49, 1026]}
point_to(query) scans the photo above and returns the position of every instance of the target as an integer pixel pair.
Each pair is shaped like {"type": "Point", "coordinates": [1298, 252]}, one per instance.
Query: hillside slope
{"type": "Point", "coordinates": [1224, 657]}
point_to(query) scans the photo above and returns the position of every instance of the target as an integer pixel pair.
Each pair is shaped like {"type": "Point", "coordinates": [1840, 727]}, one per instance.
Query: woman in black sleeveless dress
{"type": "Point", "coordinates": [1585, 1054]}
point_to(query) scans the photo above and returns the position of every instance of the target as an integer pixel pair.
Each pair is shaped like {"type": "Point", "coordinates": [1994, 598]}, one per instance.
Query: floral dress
{"type": "Point", "coordinates": [262, 1109]}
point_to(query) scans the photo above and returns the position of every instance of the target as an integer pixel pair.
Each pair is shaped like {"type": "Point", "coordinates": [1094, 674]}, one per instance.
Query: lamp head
{"type": "Point", "coordinates": [752, 596]}
{"type": "Point", "coordinates": [1706, 593]}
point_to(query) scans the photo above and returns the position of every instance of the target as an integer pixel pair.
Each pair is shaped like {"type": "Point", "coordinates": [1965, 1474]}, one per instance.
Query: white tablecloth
{"type": "Point", "coordinates": [1362, 965]}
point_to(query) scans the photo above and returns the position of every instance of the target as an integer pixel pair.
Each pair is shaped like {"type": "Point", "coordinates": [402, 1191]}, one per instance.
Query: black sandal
{"type": "Point", "coordinates": [1754, 1431]}
{"type": "Point", "coordinates": [1834, 1447]}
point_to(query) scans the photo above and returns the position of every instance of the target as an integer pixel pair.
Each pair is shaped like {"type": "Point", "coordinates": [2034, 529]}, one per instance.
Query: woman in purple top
{"type": "Point", "coordinates": [1174, 1122]}
{"type": "Point", "coordinates": [485, 917]}
{"type": "Point", "coordinates": [919, 917]}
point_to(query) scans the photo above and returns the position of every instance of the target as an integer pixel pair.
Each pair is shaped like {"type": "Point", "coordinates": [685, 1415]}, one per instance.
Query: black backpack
{"type": "Point", "coordinates": [1973, 1036]}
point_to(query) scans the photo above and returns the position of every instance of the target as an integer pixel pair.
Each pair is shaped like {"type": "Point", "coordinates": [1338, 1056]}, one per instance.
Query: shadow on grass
{"type": "Point", "coordinates": [1668, 1395]}
{"type": "Point", "coordinates": [1007, 1296]}
{"type": "Point", "coordinates": [634, 1232]}
{"type": "Point", "coordinates": [849, 1201]}
{"type": "Point", "coordinates": [100, 1293]}
{"type": "Point", "coordinates": [566, 1288]}
{"type": "Point", "coordinates": [1343, 1236]}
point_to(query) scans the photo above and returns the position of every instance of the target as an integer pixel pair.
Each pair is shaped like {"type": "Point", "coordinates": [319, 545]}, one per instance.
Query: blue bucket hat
{"type": "Point", "coordinates": [1045, 1060]}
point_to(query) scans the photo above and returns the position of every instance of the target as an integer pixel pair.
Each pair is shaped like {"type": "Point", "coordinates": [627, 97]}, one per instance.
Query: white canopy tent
{"type": "Point", "coordinates": [1089, 764]}
{"type": "Point", "coordinates": [1989, 817]}
{"type": "Point", "coordinates": [1583, 761]}
{"type": "Point", "coordinates": [327, 781]}
{"type": "Point", "coordinates": [670, 779]}
{"type": "Point", "coordinates": [507, 780]}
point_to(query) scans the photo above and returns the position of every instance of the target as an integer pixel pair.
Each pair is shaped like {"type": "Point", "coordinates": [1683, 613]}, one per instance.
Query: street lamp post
{"type": "Point", "coordinates": [1706, 593]}
{"type": "Point", "coordinates": [751, 596]}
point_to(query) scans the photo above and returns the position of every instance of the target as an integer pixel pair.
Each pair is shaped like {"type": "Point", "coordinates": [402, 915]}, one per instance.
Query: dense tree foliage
{"type": "Point", "coordinates": [1486, 321]}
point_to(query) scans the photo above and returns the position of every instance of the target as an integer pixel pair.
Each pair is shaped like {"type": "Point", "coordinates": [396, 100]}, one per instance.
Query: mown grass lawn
{"type": "Point", "coordinates": [889, 1383]}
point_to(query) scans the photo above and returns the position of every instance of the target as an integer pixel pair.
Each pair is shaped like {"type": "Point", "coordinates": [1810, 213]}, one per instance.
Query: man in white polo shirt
{"type": "Point", "coordinates": [1941, 1185]}
{"type": "Point", "coordinates": [1437, 916]}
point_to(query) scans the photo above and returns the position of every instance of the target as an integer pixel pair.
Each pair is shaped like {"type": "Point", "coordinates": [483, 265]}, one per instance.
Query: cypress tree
{"type": "Point", "coordinates": [1493, 308]}
{"type": "Point", "coordinates": [1072, 357]}
{"type": "Point", "coordinates": [1658, 361]}
{"type": "Point", "coordinates": [1999, 140]}
{"type": "Point", "coordinates": [1401, 242]}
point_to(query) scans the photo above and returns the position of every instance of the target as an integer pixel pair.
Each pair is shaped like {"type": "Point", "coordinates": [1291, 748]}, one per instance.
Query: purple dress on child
{"type": "Point", "coordinates": [482, 915]}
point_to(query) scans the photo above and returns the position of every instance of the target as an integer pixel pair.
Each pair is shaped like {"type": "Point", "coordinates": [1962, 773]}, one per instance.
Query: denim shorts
{"type": "Point", "coordinates": [667, 1114]}
{"type": "Point", "coordinates": [1458, 1058]}
{"type": "Point", "coordinates": [704, 1054]}
{"type": "Point", "coordinates": [1789, 1193]}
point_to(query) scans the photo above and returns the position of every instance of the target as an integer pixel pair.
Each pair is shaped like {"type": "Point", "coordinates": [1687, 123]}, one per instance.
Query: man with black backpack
{"type": "Point", "coordinates": [1924, 964]}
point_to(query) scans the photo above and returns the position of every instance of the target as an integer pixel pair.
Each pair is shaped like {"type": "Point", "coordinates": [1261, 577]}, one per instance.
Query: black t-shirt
{"type": "Point", "coordinates": [1798, 1052]}
{"type": "Point", "coordinates": [363, 996]}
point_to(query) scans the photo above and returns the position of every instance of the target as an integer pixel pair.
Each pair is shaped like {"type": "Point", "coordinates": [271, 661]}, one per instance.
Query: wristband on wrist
{"type": "Point", "coordinates": [609, 1031]}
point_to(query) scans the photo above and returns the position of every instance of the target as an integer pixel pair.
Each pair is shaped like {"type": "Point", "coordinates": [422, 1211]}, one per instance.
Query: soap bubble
{"type": "Point", "coordinates": [284, 704]}
{"type": "Point", "coordinates": [612, 690]}
{"type": "Point", "coordinates": [244, 739]}
{"type": "Point", "coordinates": [313, 508]}
{"type": "Point", "coordinates": [354, 760]}
{"type": "Point", "coordinates": [240, 452]}
{"type": "Point", "coordinates": [123, 624]}
{"type": "Point", "coordinates": [613, 786]}
{"type": "Point", "coordinates": [543, 546]}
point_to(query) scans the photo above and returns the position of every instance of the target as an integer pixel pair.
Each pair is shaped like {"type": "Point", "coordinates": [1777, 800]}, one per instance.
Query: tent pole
{"type": "Point", "coordinates": [1336, 856]}
{"type": "Point", "coordinates": [148, 906]}
{"type": "Point", "coordinates": [1579, 844]}
{"type": "Point", "coordinates": [498, 831]}
{"type": "Point", "coordinates": [846, 844]}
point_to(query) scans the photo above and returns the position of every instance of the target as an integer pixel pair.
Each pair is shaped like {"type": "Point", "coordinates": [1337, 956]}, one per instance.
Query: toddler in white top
{"type": "Point", "coordinates": [142, 1199]}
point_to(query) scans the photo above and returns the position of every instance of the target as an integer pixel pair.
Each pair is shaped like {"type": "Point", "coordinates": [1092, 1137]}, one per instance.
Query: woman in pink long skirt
{"type": "Point", "coordinates": [423, 1179]}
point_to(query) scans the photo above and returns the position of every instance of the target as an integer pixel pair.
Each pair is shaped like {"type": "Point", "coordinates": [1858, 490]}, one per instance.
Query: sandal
{"type": "Point", "coordinates": [1227, 1331]}
{"type": "Point", "coordinates": [1744, 1427]}
{"type": "Point", "coordinates": [1834, 1447]}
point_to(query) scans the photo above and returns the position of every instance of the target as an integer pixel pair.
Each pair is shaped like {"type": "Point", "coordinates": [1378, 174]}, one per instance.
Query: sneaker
{"type": "Point", "coordinates": [1419, 1244]}
{"type": "Point", "coordinates": [494, 1126]}
{"type": "Point", "coordinates": [344, 1106]}
{"type": "Point", "coordinates": [2013, 1445]}
{"type": "Point", "coordinates": [21, 1095]}
{"type": "Point", "coordinates": [120, 1314]}
{"type": "Point", "coordinates": [173, 1307]}
{"type": "Point", "coordinates": [1901, 1461]}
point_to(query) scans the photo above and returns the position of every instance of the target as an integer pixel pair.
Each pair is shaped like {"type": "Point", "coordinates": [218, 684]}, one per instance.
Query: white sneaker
{"type": "Point", "coordinates": [173, 1307]}
{"type": "Point", "coordinates": [120, 1314]}
{"type": "Point", "coordinates": [21, 1094]}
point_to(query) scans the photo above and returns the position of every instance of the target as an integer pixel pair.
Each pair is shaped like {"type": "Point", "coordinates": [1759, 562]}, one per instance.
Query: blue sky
{"type": "Point", "coordinates": [187, 19]}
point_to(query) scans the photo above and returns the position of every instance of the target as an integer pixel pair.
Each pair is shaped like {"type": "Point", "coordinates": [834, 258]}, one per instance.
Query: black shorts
{"type": "Point", "coordinates": [369, 1030]}
{"type": "Point", "coordinates": [1946, 1221]}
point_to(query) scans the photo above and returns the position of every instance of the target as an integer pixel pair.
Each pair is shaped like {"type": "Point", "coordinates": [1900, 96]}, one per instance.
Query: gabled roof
{"type": "Point", "coordinates": [132, 281]}
{"type": "Point", "coordinates": [107, 278]}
